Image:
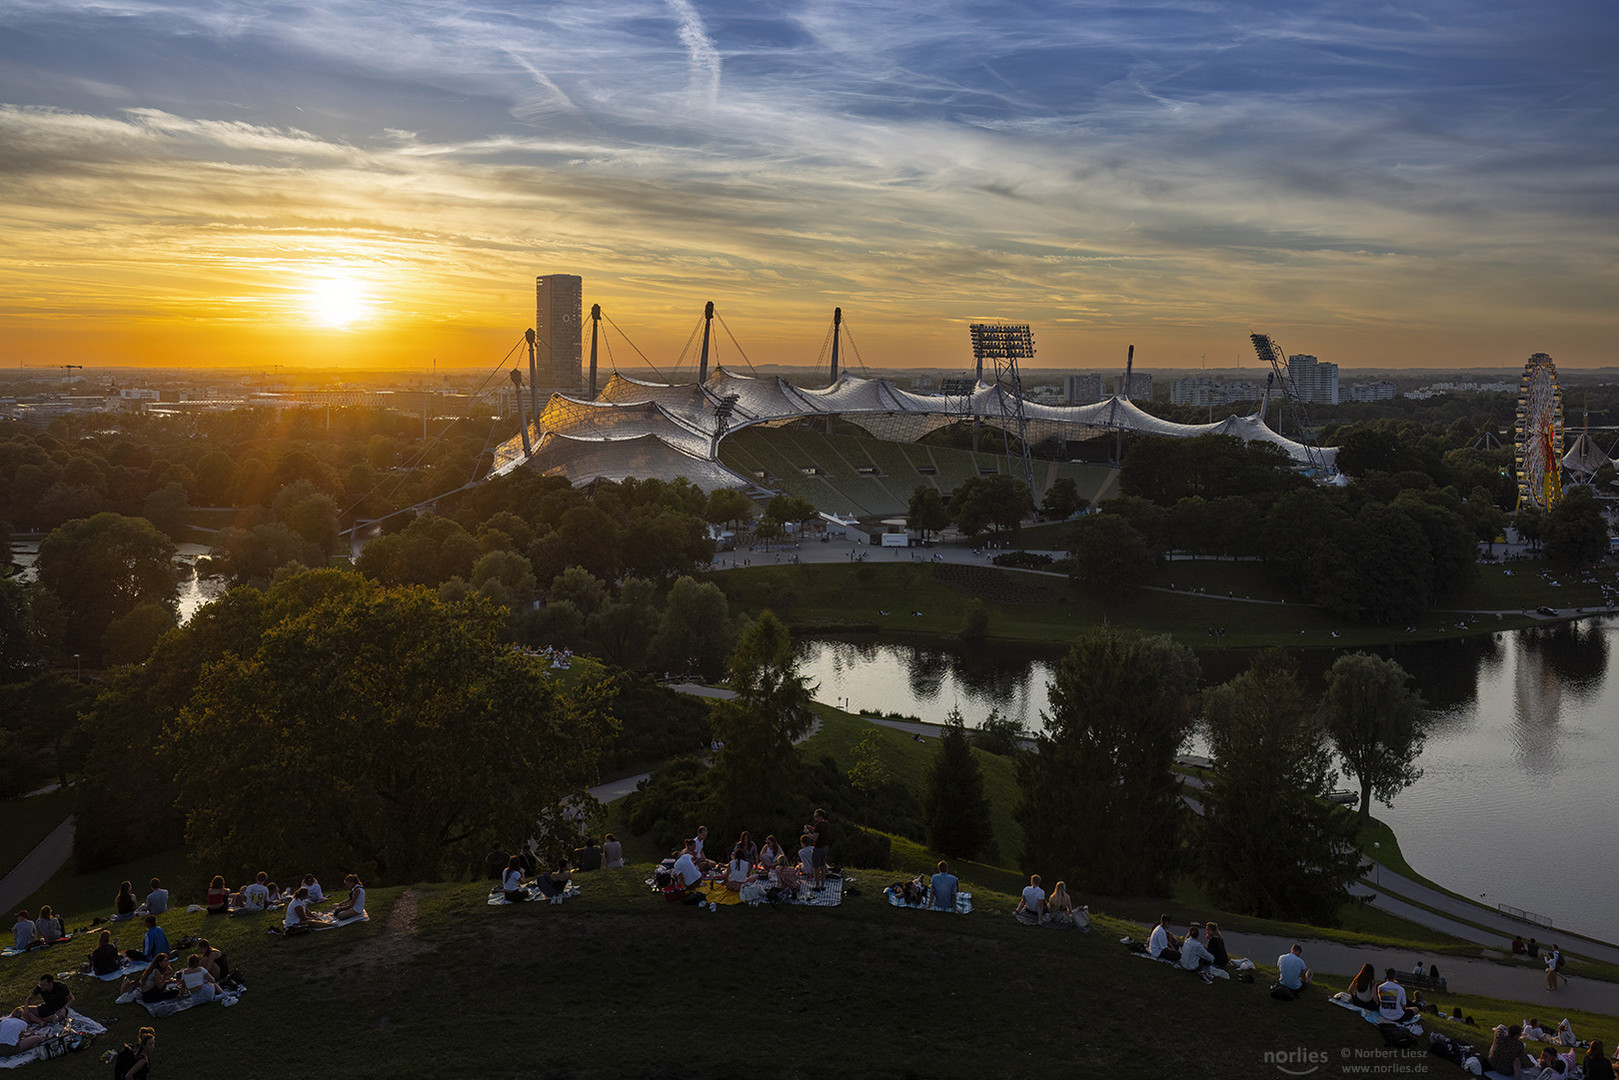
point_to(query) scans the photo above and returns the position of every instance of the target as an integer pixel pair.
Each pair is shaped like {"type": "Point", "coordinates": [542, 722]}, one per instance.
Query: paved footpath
{"type": "Point", "coordinates": [37, 867]}
{"type": "Point", "coordinates": [1481, 977]}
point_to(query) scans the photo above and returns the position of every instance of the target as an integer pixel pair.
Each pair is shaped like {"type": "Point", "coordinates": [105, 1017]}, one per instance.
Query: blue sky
{"type": "Point", "coordinates": [1385, 186]}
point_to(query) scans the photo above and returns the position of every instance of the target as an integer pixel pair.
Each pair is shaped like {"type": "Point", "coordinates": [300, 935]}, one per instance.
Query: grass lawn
{"type": "Point", "coordinates": [1045, 609]}
{"type": "Point", "coordinates": [28, 821]}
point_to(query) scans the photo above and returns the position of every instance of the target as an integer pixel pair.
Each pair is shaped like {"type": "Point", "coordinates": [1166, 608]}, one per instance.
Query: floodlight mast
{"type": "Point", "coordinates": [1271, 353]}
{"type": "Point", "coordinates": [522, 421]}
{"type": "Point", "coordinates": [595, 328]}
{"type": "Point", "coordinates": [1006, 344]}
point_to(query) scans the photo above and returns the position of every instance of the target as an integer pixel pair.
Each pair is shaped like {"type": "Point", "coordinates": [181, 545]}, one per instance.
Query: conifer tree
{"type": "Point", "coordinates": [956, 809]}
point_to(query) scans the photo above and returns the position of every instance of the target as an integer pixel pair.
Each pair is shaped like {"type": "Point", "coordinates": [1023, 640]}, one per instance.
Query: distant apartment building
{"type": "Point", "coordinates": [1202, 391]}
{"type": "Point", "coordinates": [1373, 391]}
{"type": "Point", "coordinates": [1312, 380]}
{"type": "Point", "coordinates": [1081, 389]}
{"type": "Point", "coordinates": [558, 320]}
{"type": "Point", "coordinates": [1140, 388]}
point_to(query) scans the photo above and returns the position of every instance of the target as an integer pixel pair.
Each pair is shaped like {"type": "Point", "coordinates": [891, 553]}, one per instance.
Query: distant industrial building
{"type": "Point", "coordinates": [1202, 391]}
{"type": "Point", "coordinates": [1373, 391]}
{"type": "Point", "coordinates": [1312, 380]}
{"type": "Point", "coordinates": [1081, 389]}
{"type": "Point", "coordinates": [558, 321]}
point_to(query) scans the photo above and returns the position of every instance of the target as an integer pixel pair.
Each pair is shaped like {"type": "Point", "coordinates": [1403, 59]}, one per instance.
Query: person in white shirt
{"type": "Point", "coordinates": [511, 882]}
{"type": "Point", "coordinates": [14, 1038]}
{"type": "Point", "coordinates": [1034, 897]}
{"type": "Point", "coordinates": [256, 897]}
{"type": "Point", "coordinates": [23, 932]}
{"type": "Point", "coordinates": [354, 906]}
{"type": "Point", "coordinates": [157, 901]}
{"type": "Point", "coordinates": [1293, 973]}
{"type": "Point", "coordinates": [686, 872]}
{"type": "Point", "coordinates": [701, 841]}
{"type": "Point", "coordinates": [315, 895]}
{"type": "Point", "coordinates": [613, 853]}
{"type": "Point", "coordinates": [298, 916]}
{"type": "Point", "coordinates": [1391, 1004]}
{"type": "Point", "coordinates": [1162, 943]}
{"type": "Point", "coordinates": [1194, 957]}
{"type": "Point", "coordinates": [806, 856]}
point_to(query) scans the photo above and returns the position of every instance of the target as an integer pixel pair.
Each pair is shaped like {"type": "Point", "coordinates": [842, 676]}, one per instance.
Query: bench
{"type": "Point", "coordinates": [1413, 981]}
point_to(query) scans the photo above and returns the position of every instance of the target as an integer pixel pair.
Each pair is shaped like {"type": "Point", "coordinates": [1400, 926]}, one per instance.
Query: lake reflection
{"type": "Point", "coordinates": [1519, 768]}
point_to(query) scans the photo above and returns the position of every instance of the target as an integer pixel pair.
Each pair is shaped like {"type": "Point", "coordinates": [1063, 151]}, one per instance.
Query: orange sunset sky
{"type": "Point", "coordinates": [377, 185]}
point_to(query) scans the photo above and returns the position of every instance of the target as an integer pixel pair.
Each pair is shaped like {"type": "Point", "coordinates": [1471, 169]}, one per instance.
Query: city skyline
{"type": "Point", "coordinates": [379, 186]}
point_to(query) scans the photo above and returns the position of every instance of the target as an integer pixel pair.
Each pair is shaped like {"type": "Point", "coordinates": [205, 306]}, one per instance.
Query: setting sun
{"type": "Point", "coordinates": [338, 301]}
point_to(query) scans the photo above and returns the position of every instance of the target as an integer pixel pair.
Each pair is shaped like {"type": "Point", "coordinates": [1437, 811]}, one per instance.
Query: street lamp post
{"type": "Point", "coordinates": [1377, 862]}
{"type": "Point", "coordinates": [78, 669]}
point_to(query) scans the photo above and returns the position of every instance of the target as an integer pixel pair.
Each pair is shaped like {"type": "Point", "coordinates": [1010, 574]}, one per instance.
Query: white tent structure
{"type": "Point", "coordinates": [657, 430]}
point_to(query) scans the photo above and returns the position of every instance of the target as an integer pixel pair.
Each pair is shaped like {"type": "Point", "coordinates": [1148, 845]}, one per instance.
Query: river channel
{"type": "Point", "coordinates": [1519, 799]}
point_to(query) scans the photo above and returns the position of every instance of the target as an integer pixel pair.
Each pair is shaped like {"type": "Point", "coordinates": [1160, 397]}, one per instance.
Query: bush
{"type": "Point", "coordinates": [854, 846]}
{"type": "Point", "coordinates": [998, 734]}
{"type": "Point", "coordinates": [1026, 560]}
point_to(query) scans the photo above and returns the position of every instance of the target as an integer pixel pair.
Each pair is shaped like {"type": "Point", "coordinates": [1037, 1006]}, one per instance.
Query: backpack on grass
{"type": "Point", "coordinates": [1282, 993]}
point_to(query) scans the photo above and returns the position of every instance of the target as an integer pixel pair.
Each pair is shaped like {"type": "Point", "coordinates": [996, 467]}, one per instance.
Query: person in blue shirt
{"type": "Point", "coordinates": [155, 941]}
{"type": "Point", "coordinates": [944, 888]}
{"type": "Point", "coordinates": [1294, 973]}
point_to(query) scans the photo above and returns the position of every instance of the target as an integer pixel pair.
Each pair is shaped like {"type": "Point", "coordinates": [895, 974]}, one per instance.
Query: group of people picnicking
{"type": "Point", "coordinates": [1035, 908]}
{"type": "Point", "coordinates": [521, 879]}
{"type": "Point", "coordinates": [753, 868]}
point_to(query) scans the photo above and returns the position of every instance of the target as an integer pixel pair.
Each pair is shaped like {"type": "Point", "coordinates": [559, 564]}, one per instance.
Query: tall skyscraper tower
{"type": "Point", "coordinates": [558, 304]}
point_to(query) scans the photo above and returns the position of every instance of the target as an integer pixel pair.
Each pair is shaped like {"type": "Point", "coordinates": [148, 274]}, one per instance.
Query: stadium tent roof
{"type": "Point", "coordinates": [675, 428]}
{"type": "Point", "coordinates": [1585, 456]}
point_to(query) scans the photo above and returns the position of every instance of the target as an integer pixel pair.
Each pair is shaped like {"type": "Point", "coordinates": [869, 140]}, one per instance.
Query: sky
{"type": "Point", "coordinates": [378, 184]}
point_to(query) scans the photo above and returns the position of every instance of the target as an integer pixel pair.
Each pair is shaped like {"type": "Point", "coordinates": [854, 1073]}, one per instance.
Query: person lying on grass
{"type": "Point", "coordinates": [354, 905]}
{"type": "Point", "coordinates": [14, 1037]}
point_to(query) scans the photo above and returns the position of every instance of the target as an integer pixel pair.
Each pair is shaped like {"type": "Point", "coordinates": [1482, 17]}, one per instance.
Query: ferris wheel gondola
{"type": "Point", "coordinates": [1539, 429]}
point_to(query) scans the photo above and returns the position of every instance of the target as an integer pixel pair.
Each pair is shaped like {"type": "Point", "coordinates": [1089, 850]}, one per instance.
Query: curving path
{"type": "Point", "coordinates": [37, 867]}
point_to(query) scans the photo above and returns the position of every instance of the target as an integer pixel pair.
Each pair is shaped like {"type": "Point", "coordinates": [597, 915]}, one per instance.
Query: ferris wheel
{"type": "Point", "coordinates": [1539, 447]}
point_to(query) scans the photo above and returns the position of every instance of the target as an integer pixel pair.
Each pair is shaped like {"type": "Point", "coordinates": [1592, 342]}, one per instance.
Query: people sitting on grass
{"type": "Point", "coordinates": [1033, 900]}
{"type": "Point", "coordinates": [106, 958]}
{"type": "Point", "coordinates": [588, 857]}
{"type": "Point", "coordinates": [1194, 957]}
{"type": "Point", "coordinates": [24, 935]}
{"type": "Point", "coordinates": [612, 853]}
{"type": "Point", "coordinates": [1597, 1064]}
{"type": "Point", "coordinates": [196, 983]}
{"type": "Point", "coordinates": [1391, 1004]}
{"type": "Point", "coordinates": [155, 941]}
{"type": "Point", "coordinates": [299, 919]}
{"type": "Point", "coordinates": [750, 850]}
{"type": "Point", "coordinates": [944, 887]}
{"type": "Point", "coordinates": [273, 895]}
{"type": "Point", "coordinates": [787, 875]}
{"type": "Point", "coordinates": [1363, 988]}
{"type": "Point", "coordinates": [806, 858]}
{"type": "Point", "coordinates": [687, 872]}
{"type": "Point", "coordinates": [511, 881]}
{"type": "Point", "coordinates": [1565, 1033]}
{"type": "Point", "coordinates": [1215, 943]}
{"type": "Point", "coordinates": [213, 961]}
{"type": "Point", "coordinates": [553, 883]}
{"type": "Point", "coordinates": [153, 983]}
{"type": "Point", "coordinates": [1060, 909]}
{"type": "Point", "coordinates": [255, 897]}
{"type": "Point", "coordinates": [136, 1063]}
{"type": "Point", "coordinates": [1161, 944]}
{"type": "Point", "coordinates": [48, 926]}
{"type": "Point", "coordinates": [1535, 1031]}
{"type": "Point", "coordinates": [1551, 1064]}
{"type": "Point", "coordinates": [353, 906]}
{"type": "Point", "coordinates": [1507, 1055]}
{"type": "Point", "coordinates": [770, 853]}
{"type": "Point", "coordinates": [739, 871]}
{"type": "Point", "coordinates": [1292, 971]}
{"type": "Point", "coordinates": [704, 863]}
{"type": "Point", "coordinates": [55, 999]}
{"type": "Point", "coordinates": [218, 898]}
{"type": "Point", "coordinates": [14, 1036]}
{"type": "Point", "coordinates": [123, 906]}
{"type": "Point", "coordinates": [312, 889]}
{"type": "Point", "coordinates": [157, 900]}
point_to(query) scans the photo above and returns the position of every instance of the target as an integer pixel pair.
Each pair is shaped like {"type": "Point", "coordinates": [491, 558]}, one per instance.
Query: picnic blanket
{"type": "Point", "coordinates": [12, 950]}
{"type": "Point", "coordinates": [1371, 1016]}
{"type": "Point", "coordinates": [227, 998]}
{"type": "Point", "coordinates": [79, 1021]}
{"type": "Point", "coordinates": [351, 920]}
{"type": "Point", "coordinates": [127, 968]}
{"type": "Point", "coordinates": [964, 902]}
{"type": "Point", "coordinates": [532, 894]}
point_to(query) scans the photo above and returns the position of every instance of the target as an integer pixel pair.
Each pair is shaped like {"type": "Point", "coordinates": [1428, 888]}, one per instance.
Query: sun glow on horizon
{"type": "Point", "coordinates": [338, 301]}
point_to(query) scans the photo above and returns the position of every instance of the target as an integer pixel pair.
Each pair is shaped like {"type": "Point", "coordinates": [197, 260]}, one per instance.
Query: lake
{"type": "Point", "coordinates": [1520, 769]}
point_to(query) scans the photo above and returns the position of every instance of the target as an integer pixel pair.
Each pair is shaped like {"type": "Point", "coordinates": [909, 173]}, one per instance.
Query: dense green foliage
{"type": "Point", "coordinates": [1101, 804]}
{"type": "Point", "coordinates": [1376, 722]}
{"type": "Point", "coordinates": [1268, 843]}
{"type": "Point", "coordinates": [1576, 535]}
{"type": "Point", "coordinates": [954, 802]}
{"type": "Point", "coordinates": [102, 568]}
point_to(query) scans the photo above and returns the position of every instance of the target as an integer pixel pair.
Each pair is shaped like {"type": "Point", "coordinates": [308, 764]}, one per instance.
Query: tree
{"type": "Point", "coordinates": [309, 512]}
{"type": "Point", "coordinates": [956, 808]}
{"type": "Point", "coordinates": [696, 631]}
{"type": "Point", "coordinates": [130, 638]}
{"type": "Point", "coordinates": [977, 626]}
{"type": "Point", "coordinates": [1576, 535]}
{"type": "Point", "coordinates": [1376, 721]}
{"type": "Point", "coordinates": [426, 741]}
{"type": "Point", "coordinates": [981, 503]}
{"type": "Point", "coordinates": [1101, 804]}
{"type": "Point", "coordinates": [22, 643]}
{"type": "Point", "coordinates": [790, 508]}
{"type": "Point", "coordinates": [1530, 521]}
{"type": "Point", "coordinates": [164, 508]}
{"type": "Point", "coordinates": [506, 578]}
{"type": "Point", "coordinates": [727, 506]}
{"type": "Point", "coordinates": [928, 512]}
{"type": "Point", "coordinates": [757, 764]}
{"type": "Point", "coordinates": [1062, 500]}
{"type": "Point", "coordinates": [1268, 843]}
{"type": "Point", "coordinates": [250, 557]}
{"type": "Point", "coordinates": [103, 567]}
{"type": "Point", "coordinates": [1109, 554]}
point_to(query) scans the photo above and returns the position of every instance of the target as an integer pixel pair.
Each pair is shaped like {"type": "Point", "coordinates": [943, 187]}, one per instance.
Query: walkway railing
{"type": "Point", "coordinates": [1523, 916]}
